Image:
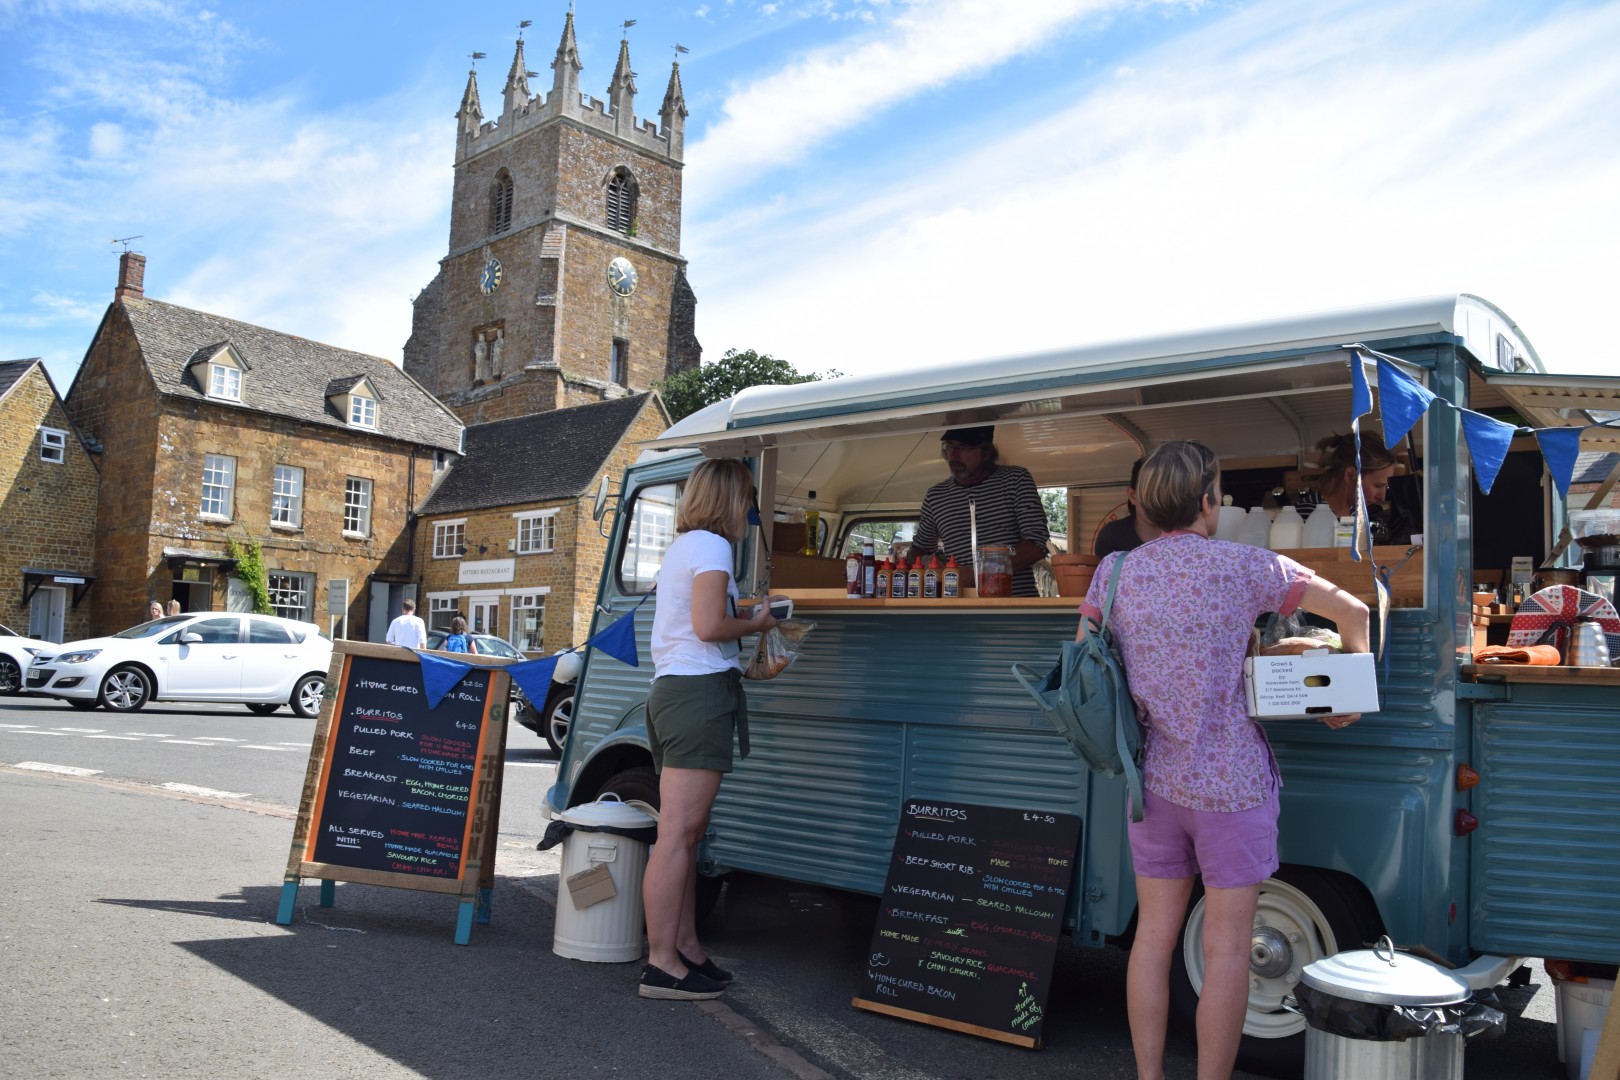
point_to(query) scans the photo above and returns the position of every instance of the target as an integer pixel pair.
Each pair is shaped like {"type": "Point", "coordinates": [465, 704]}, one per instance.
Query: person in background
{"type": "Point", "coordinates": [174, 607]}
{"type": "Point", "coordinates": [1130, 531]}
{"type": "Point", "coordinates": [456, 639]}
{"type": "Point", "coordinates": [1337, 485]}
{"type": "Point", "coordinates": [695, 705]}
{"type": "Point", "coordinates": [407, 630]}
{"type": "Point", "coordinates": [1211, 782]}
{"type": "Point", "coordinates": [1008, 509]}
{"type": "Point", "coordinates": [154, 610]}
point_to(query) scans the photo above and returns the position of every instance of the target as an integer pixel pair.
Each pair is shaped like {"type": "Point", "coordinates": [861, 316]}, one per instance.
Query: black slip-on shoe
{"type": "Point", "coordinates": [658, 983]}
{"type": "Point", "coordinates": [708, 969]}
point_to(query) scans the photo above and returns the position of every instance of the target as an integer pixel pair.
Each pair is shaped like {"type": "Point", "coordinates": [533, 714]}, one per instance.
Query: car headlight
{"type": "Point", "coordinates": [78, 657]}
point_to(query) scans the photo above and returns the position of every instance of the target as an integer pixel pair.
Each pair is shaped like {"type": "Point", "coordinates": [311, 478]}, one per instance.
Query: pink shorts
{"type": "Point", "coordinates": [1231, 850]}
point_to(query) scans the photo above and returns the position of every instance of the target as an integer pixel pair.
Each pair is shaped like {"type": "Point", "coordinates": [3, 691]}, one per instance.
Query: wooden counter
{"type": "Point", "coordinates": [809, 600]}
{"type": "Point", "coordinates": [1543, 675]}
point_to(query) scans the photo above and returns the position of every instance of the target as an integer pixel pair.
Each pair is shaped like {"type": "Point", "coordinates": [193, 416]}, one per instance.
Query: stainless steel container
{"type": "Point", "coordinates": [1587, 645]}
{"type": "Point", "coordinates": [1383, 977]}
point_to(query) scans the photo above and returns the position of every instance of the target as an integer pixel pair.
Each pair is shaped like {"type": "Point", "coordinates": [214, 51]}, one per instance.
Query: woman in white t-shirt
{"type": "Point", "coordinates": [695, 705]}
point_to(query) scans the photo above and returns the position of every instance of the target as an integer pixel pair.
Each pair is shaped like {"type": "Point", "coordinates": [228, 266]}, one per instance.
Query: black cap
{"type": "Point", "coordinates": [970, 436]}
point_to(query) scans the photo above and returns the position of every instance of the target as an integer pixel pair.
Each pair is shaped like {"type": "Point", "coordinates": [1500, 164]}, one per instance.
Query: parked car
{"type": "Point", "coordinates": [16, 653]}
{"type": "Point", "coordinates": [262, 661]}
{"type": "Point", "coordinates": [549, 722]}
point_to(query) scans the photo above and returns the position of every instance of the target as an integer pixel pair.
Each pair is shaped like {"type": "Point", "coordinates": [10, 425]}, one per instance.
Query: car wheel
{"type": "Point", "coordinates": [559, 716]}
{"type": "Point", "coordinates": [125, 689]}
{"type": "Point", "coordinates": [306, 696]}
{"type": "Point", "coordinates": [82, 704]}
{"type": "Point", "coordinates": [1303, 916]}
{"type": "Point", "coordinates": [11, 677]}
{"type": "Point", "coordinates": [263, 708]}
{"type": "Point", "coordinates": [639, 787]}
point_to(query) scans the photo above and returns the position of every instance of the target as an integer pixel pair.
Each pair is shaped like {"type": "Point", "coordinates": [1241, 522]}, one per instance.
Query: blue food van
{"type": "Point", "coordinates": [1474, 815]}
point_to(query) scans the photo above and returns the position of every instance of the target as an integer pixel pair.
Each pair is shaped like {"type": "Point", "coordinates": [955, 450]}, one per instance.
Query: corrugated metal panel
{"type": "Point", "coordinates": [1546, 877]}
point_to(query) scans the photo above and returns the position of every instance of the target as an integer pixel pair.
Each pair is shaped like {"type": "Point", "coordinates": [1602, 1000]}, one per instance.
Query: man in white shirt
{"type": "Point", "coordinates": [408, 630]}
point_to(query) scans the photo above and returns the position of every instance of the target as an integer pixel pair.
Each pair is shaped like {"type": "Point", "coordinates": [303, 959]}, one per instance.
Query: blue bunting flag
{"type": "Point", "coordinates": [440, 676]}
{"type": "Point", "coordinates": [1488, 439]}
{"type": "Point", "coordinates": [1402, 400]}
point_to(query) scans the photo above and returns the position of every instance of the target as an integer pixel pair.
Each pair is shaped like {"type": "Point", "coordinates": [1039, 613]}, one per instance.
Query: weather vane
{"type": "Point", "coordinates": [680, 50]}
{"type": "Point", "coordinates": [125, 240]}
{"type": "Point", "coordinates": [477, 56]}
{"type": "Point", "coordinates": [524, 25]}
{"type": "Point", "coordinates": [626, 25]}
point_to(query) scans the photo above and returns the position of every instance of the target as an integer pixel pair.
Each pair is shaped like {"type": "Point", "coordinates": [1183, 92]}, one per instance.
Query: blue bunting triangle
{"type": "Point", "coordinates": [1402, 401]}
{"type": "Point", "coordinates": [1560, 447]}
{"type": "Point", "coordinates": [534, 678]}
{"type": "Point", "coordinates": [440, 676]}
{"type": "Point", "coordinates": [1488, 440]}
{"type": "Point", "coordinates": [619, 641]}
{"type": "Point", "coordinates": [1360, 395]}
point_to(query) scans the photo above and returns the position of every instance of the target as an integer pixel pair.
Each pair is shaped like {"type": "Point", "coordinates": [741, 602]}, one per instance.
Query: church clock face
{"type": "Point", "coordinates": [490, 279]}
{"type": "Point", "coordinates": [621, 276]}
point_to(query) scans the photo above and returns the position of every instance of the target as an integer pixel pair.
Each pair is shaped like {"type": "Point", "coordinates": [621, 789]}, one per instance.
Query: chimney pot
{"type": "Point", "coordinates": [131, 276]}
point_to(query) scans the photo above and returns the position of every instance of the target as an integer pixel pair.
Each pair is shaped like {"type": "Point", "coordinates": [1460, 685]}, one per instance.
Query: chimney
{"type": "Point", "coordinates": [131, 276]}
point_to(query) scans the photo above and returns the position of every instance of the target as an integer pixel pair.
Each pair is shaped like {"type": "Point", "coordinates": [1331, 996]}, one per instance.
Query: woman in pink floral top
{"type": "Point", "coordinates": [1182, 617]}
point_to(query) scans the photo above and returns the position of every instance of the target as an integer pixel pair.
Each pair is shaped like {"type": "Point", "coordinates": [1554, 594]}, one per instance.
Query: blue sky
{"type": "Point", "coordinates": [869, 183]}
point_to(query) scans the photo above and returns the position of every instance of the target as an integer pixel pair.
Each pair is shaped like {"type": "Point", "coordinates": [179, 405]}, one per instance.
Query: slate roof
{"type": "Point", "coordinates": [1593, 466]}
{"type": "Point", "coordinates": [11, 371]}
{"type": "Point", "coordinates": [530, 459]}
{"type": "Point", "coordinates": [287, 375]}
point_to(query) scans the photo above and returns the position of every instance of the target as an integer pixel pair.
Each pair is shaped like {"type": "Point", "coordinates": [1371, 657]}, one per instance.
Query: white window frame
{"type": "Point", "coordinates": [442, 607]}
{"type": "Point", "coordinates": [449, 537]}
{"type": "Point", "coordinates": [536, 531]}
{"type": "Point", "coordinates": [524, 600]}
{"type": "Point", "coordinates": [224, 381]}
{"type": "Point", "coordinates": [357, 510]}
{"type": "Point", "coordinates": [53, 445]}
{"type": "Point", "coordinates": [222, 468]}
{"type": "Point", "coordinates": [287, 497]}
{"type": "Point", "coordinates": [362, 411]}
{"type": "Point", "coordinates": [293, 584]}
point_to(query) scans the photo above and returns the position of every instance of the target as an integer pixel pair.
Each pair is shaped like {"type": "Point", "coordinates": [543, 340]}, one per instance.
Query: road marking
{"type": "Point", "coordinates": [300, 745]}
{"type": "Point", "coordinates": [208, 792]}
{"type": "Point", "coordinates": [31, 731]}
{"type": "Point", "coordinates": [152, 734]}
{"type": "Point", "coordinates": [531, 764]}
{"type": "Point", "coordinates": [261, 746]}
{"type": "Point", "coordinates": [16, 727]}
{"type": "Point", "coordinates": [125, 738]}
{"type": "Point", "coordinates": [83, 730]}
{"type": "Point", "coordinates": [217, 738]}
{"type": "Point", "coordinates": [65, 770]}
{"type": "Point", "coordinates": [186, 742]}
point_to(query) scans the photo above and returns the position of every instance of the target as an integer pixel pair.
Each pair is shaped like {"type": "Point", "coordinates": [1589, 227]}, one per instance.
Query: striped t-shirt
{"type": "Point", "coordinates": [1008, 509]}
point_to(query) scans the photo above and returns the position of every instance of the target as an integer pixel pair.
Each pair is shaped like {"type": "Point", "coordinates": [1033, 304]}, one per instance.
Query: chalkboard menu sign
{"type": "Point", "coordinates": [968, 929]}
{"type": "Point", "coordinates": [398, 793]}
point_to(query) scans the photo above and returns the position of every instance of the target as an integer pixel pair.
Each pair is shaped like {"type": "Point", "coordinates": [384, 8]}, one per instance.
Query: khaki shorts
{"type": "Point", "coordinates": [691, 719]}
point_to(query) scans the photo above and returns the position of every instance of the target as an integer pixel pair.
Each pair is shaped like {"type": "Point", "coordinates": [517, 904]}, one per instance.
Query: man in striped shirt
{"type": "Point", "coordinates": [1006, 505]}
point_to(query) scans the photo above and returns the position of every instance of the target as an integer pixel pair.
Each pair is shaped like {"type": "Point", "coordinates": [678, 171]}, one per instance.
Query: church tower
{"type": "Point", "coordinates": [564, 283]}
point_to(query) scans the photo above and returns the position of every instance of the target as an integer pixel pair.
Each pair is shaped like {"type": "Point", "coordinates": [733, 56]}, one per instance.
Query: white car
{"type": "Point", "coordinates": [16, 653]}
{"type": "Point", "coordinates": [262, 661]}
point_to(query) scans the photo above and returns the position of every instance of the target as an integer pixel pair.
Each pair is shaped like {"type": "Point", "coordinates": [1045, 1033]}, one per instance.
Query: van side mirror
{"type": "Point", "coordinates": [601, 500]}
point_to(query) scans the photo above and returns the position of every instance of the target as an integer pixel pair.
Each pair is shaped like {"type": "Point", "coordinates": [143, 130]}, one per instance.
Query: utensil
{"type": "Point", "coordinates": [1588, 646]}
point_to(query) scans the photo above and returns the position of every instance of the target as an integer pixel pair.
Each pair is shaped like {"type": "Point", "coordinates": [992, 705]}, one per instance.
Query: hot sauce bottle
{"type": "Point", "coordinates": [930, 580]}
{"type": "Point", "coordinates": [914, 579]}
{"type": "Point", "coordinates": [885, 572]}
{"type": "Point", "coordinates": [950, 581]}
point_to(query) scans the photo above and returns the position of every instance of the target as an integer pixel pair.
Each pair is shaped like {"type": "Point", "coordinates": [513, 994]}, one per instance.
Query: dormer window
{"type": "Point", "coordinates": [356, 400]}
{"type": "Point", "coordinates": [219, 370]}
{"type": "Point", "coordinates": [622, 190]}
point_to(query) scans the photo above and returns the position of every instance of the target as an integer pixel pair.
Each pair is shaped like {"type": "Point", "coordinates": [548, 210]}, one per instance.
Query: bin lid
{"type": "Point", "coordinates": [607, 811]}
{"type": "Point", "coordinates": [1382, 976]}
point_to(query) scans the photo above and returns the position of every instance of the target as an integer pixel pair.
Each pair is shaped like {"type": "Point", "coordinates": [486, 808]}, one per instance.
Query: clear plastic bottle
{"type": "Point", "coordinates": [1287, 531]}
{"type": "Point", "coordinates": [1256, 528]}
{"type": "Point", "coordinates": [1319, 527]}
{"type": "Point", "coordinates": [812, 528]}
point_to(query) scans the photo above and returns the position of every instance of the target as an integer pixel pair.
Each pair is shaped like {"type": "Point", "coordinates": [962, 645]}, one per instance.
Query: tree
{"type": "Point", "coordinates": [687, 392]}
{"type": "Point", "coordinates": [1056, 502]}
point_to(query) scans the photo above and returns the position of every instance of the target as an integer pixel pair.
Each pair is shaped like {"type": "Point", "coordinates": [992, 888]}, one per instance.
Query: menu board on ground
{"type": "Point", "coordinates": [398, 793]}
{"type": "Point", "coordinates": [972, 909]}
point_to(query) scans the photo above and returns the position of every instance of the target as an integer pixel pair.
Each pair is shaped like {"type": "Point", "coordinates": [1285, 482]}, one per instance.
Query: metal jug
{"type": "Point", "coordinates": [1587, 645]}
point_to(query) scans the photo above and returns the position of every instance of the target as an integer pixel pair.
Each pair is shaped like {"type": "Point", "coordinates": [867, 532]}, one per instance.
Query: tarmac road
{"type": "Point", "coordinates": [138, 939]}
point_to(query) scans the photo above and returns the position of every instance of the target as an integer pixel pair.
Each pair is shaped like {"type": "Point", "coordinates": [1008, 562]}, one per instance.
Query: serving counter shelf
{"type": "Point", "coordinates": [1549, 675]}
{"type": "Point", "coordinates": [829, 600]}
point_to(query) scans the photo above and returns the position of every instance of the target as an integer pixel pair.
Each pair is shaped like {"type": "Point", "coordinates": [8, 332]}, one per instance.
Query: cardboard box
{"type": "Point", "coordinates": [1315, 683]}
{"type": "Point", "coordinates": [591, 886]}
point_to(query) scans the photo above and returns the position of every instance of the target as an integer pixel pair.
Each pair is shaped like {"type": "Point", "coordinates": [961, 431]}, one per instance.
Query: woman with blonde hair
{"type": "Point", "coordinates": [1182, 615]}
{"type": "Point", "coordinates": [695, 706]}
{"type": "Point", "coordinates": [1337, 461]}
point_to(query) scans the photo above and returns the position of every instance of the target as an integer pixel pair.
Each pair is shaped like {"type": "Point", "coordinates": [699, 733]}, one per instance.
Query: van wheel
{"type": "Point", "coordinates": [559, 715]}
{"type": "Point", "coordinates": [639, 786]}
{"type": "Point", "coordinates": [1303, 916]}
{"type": "Point", "coordinates": [125, 689]}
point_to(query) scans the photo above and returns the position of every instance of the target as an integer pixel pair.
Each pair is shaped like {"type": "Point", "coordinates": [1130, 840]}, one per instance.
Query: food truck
{"type": "Point", "coordinates": [1473, 815]}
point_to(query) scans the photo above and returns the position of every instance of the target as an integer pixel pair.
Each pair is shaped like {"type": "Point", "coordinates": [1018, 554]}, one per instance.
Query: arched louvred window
{"type": "Point", "coordinates": [621, 201]}
{"type": "Point", "coordinates": [500, 202]}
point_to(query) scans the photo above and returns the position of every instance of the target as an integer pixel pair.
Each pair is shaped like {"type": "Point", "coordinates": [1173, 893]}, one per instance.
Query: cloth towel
{"type": "Point", "coordinates": [1546, 655]}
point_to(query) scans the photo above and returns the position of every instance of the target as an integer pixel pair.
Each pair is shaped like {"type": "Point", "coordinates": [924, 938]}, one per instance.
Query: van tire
{"type": "Point", "coordinates": [639, 785]}
{"type": "Point", "coordinates": [1326, 912]}
{"type": "Point", "coordinates": [558, 717]}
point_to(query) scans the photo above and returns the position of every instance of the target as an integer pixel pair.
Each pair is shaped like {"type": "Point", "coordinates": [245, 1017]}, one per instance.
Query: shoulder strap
{"type": "Point", "coordinates": [1113, 586]}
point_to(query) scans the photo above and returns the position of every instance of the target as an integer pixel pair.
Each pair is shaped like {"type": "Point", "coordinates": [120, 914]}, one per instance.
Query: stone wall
{"type": "Point", "coordinates": [47, 510]}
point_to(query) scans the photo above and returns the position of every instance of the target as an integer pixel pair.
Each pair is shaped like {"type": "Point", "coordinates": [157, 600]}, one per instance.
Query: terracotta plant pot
{"type": "Point", "coordinates": [1073, 573]}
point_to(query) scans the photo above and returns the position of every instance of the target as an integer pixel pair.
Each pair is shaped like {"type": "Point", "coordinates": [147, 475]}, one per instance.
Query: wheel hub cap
{"type": "Point", "coordinates": [1269, 953]}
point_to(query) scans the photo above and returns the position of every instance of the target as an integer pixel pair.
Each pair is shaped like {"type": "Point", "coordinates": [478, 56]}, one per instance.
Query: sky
{"type": "Point", "coordinates": [869, 184]}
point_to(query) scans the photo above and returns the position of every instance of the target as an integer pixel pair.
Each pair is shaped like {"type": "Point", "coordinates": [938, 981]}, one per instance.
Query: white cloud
{"type": "Point", "coordinates": [1275, 162]}
{"type": "Point", "coordinates": [106, 140]}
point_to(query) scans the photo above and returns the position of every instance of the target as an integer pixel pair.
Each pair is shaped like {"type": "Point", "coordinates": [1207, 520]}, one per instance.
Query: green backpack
{"type": "Point", "coordinates": [1087, 698]}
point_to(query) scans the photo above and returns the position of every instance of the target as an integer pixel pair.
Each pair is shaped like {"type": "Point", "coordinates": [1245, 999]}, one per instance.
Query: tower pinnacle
{"type": "Point", "coordinates": [471, 113]}
{"type": "Point", "coordinates": [565, 67]}
{"type": "Point", "coordinates": [673, 113]}
{"type": "Point", "coordinates": [517, 82]}
{"type": "Point", "coordinates": [622, 90]}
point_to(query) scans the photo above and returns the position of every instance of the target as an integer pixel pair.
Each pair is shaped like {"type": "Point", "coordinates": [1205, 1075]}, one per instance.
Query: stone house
{"type": "Point", "coordinates": [48, 487]}
{"type": "Point", "coordinates": [212, 431]}
{"type": "Point", "coordinates": [508, 539]}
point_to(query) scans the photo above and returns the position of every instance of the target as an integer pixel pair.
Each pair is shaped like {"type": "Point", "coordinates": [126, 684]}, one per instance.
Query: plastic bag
{"type": "Point", "coordinates": [777, 649]}
{"type": "Point", "coordinates": [1478, 1017]}
{"type": "Point", "coordinates": [1284, 634]}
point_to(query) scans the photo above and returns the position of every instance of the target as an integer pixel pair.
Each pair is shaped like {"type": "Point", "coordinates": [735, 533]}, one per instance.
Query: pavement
{"type": "Point", "coordinates": [137, 939]}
